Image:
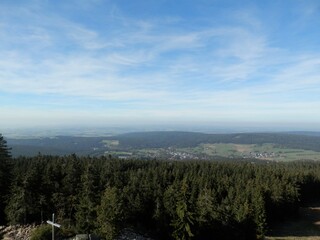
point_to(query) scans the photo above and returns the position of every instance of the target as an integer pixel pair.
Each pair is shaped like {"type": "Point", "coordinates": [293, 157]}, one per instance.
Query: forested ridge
{"type": "Point", "coordinates": [307, 141]}
{"type": "Point", "coordinates": [166, 199]}
{"type": "Point", "coordinates": [95, 146]}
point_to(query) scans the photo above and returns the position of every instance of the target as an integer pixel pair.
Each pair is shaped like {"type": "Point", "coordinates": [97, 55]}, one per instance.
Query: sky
{"type": "Point", "coordinates": [158, 62]}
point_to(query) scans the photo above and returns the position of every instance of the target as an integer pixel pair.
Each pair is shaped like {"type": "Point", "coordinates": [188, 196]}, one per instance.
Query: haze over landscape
{"type": "Point", "coordinates": [160, 119]}
{"type": "Point", "coordinates": [225, 64]}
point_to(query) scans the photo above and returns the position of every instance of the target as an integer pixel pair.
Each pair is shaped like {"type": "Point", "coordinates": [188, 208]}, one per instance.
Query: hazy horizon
{"type": "Point", "coordinates": [160, 64]}
{"type": "Point", "coordinates": [108, 130]}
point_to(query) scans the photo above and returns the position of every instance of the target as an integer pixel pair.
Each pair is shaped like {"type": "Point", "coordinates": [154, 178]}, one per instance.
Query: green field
{"type": "Point", "coordinates": [266, 151]}
{"type": "Point", "coordinates": [111, 143]}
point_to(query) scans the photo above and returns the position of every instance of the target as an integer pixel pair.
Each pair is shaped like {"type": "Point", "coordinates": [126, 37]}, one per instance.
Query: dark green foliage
{"type": "Point", "coordinates": [85, 215]}
{"type": "Point", "coordinates": [169, 200]}
{"type": "Point", "coordinates": [183, 218]}
{"type": "Point", "coordinates": [110, 213]}
{"type": "Point", "coordinates": [5, 175]}
{"type": "Point", "coordinates": [17, 206]}
{"type": "Point", "coordinates": [43, 232]}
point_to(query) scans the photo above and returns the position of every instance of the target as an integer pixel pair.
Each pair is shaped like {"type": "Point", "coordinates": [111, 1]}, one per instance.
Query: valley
{"type": "Point", "coordinates": [178, 146]}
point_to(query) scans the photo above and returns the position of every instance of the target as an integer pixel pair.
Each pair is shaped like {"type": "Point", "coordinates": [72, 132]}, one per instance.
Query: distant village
{"type": "Point", "coordinates": [176, 154]}
{"type": "Point", "coordinates": [261, 155]}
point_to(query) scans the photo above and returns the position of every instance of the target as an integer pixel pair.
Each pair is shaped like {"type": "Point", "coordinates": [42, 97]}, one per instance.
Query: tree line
{"type": "Point", "coordinates": [166, 199]}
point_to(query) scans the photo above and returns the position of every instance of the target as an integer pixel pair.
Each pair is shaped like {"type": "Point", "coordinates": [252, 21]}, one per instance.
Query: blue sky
{"type": "Point", "coordinates": [117, 62]}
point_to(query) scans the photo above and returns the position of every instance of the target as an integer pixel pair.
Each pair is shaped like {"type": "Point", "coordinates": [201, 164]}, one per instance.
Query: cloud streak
{"type": "Point", "coordinates": [152, 68]}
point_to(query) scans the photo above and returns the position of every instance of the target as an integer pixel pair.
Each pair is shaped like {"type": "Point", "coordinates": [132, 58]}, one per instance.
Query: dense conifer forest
{"type": "Point", "coordinates": [166, 199]}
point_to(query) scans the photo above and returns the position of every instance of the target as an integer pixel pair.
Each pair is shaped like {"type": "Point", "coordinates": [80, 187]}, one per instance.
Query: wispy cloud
{"type": "Point", "coordinates": [149, 67]}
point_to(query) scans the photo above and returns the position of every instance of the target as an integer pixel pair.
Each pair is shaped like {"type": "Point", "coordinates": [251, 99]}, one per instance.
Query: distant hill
{"type": "Point", "coordinates": [190, 139]}
{"type": "Point", "coordinates": [306, 133]}
{"type": "Point", "coordinates": [60, 145]}
{"type": "Point", "coordinates": [95, 146]}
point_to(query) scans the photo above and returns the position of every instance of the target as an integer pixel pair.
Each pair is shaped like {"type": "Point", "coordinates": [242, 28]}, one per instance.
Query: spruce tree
{"type": "Point", "coordinates": [86, 208]}
{"type": "Point", "coordinates": [5, 175]}
{"type": "Point", "coordinates": [183, 219]}
{"type": "Point", "coordinates": [110, 213]}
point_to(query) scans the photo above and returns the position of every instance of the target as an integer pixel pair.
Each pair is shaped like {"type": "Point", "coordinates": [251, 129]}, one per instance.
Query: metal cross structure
{"type": "Point", "coordinates": [53, 224]}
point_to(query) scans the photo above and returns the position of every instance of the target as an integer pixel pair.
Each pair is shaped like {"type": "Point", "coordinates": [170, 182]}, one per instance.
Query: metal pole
{"type": "Point", "coordinates": [52, 226]}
